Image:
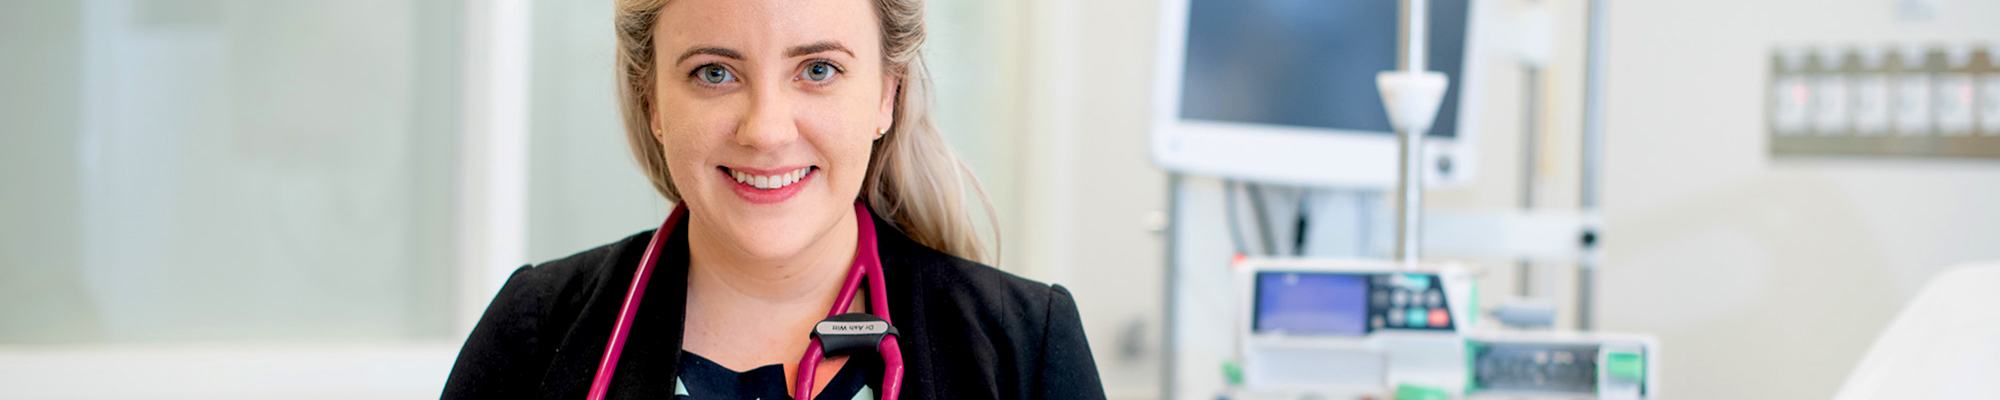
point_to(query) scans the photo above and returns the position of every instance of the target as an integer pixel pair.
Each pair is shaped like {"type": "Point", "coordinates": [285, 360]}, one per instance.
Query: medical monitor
{"type": "Point", "coordinates": [1347, 303]}
{"type": "Point", "coordinates": [1283, 91]}
{"type": "Point", "coordinates": [1344, 328]}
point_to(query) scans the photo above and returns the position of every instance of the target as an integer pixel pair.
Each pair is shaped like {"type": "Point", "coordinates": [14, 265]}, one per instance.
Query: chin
{"type": "Point", "coordinates": [776, 233]}
{"type": "Point", "coordinates": [773, 244]}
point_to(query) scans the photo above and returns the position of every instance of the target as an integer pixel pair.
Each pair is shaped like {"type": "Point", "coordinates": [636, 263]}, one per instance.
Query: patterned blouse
{"type": "Point", "coordinates": [705, 380]}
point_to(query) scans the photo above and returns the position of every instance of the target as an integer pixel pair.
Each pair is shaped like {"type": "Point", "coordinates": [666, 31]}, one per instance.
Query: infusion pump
{"type": "Point", "coordinates": [1359, 329]}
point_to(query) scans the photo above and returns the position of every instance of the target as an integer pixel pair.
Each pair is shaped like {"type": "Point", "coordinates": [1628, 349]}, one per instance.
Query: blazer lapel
{"type": "Point", "coordinates": [646, 368]}
{"type": "Point", "coordinates": [906, 304]}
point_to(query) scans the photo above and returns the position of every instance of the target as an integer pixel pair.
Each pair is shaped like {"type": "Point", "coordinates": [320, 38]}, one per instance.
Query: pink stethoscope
{"type": "Point", "coordinates": [866, 262]}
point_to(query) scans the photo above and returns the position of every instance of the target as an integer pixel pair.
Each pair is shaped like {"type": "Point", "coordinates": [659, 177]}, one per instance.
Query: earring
{"type": "Point", "coordinates": [880, 132]}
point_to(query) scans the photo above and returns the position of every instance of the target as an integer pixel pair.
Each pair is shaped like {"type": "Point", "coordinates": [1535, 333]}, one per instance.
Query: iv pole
{"type": "Point", "coordinates": [1589, 190]}
{"type": "Point", "coordinates": [1411, 96]}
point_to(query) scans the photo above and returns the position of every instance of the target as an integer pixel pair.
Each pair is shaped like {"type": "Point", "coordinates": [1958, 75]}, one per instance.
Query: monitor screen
{"type": "Point", "coordinates": [1310, 63]}
{"type": "Point", "coordinates": [1311, 303]}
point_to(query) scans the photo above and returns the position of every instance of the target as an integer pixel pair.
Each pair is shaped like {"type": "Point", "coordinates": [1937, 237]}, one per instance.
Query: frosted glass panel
{"type": "Point", "coordinates": [584, 187]}
{"type": "Point", "coordinates": [234, 170]}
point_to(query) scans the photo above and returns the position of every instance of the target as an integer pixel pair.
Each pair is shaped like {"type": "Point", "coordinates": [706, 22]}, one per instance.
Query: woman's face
{"type": "Point", "coordinates": [767, 112]}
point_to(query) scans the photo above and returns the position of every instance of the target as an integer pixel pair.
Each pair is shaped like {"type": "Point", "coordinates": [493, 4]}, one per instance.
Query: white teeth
{"type": "Point", "coordinates": [768, 182]}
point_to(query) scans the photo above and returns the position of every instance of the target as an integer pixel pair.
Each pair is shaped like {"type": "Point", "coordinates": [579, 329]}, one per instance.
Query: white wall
{"type": "Point", "coordinates": [1765, 277]}
{"type": "Point", "coordinates": [1089, 179]}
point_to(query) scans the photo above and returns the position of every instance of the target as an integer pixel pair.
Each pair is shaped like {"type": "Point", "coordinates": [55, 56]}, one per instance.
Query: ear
{"type": "Point", "coordinates": [653, 127]}
{"type": "Point", "coordinates": [886, 117]}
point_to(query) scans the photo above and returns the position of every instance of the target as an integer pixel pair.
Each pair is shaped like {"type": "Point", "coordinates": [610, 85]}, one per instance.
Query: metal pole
{"type": "Point", "coordinates": [1409, 213]}
{"type": "Point", "coordinates": [1167, 336]}
{"type": "Point", "coordinates": [1410, 175]}
{"type": "Point", "coordinates": [1531, 128]}
{"type": "Point", "coordinates": [1593, 162]}
{"type": "Point", "coordinates": [1415, 34]}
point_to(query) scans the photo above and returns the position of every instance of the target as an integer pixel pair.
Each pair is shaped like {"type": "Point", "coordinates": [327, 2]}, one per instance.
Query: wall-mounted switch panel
{"type": "Point", "coordinates": [1890, 100]}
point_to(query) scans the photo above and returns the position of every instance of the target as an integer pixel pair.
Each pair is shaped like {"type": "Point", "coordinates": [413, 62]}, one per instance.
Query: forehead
{"type": "Point", "coordinates": [766, 27]}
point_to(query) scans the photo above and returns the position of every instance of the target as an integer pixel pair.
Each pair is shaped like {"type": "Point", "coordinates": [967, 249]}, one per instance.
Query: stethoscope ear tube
{"type": "Point", "coordinates": [601, 384]}
{"type": "Point", "coordinates": [867, 265]}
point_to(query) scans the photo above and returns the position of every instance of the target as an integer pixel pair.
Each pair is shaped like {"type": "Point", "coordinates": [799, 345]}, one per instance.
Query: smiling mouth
{"type": "Point", "coordinates": [770, 182]}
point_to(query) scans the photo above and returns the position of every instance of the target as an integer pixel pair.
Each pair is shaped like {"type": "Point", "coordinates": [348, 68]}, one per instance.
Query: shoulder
{"type": "Point", "coordinates": [516, 339]}
{"type": "Point", "coordinates": [551, 294]}
{"type": "Point", "coordinates": [954, 285]}
{"type": "Point", "coordinates": [986, 333]}
{"type": "Point", "coordinates": [573, 277]}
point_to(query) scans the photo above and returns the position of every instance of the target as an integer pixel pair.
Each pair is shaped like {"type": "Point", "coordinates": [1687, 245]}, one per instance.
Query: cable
{"type": "Point", "coordinates": [1235, 228]}
{"type": "Point", "coordinates": [1299, 228]}
{"type": "Point", "coordinates": [1264, 235]}
{"type": "Point", "coordinates": [1364, 204]}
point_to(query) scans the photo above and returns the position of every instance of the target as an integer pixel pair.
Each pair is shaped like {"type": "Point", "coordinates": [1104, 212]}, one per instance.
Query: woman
{"type": "Point", "coordinates": [796, 138]}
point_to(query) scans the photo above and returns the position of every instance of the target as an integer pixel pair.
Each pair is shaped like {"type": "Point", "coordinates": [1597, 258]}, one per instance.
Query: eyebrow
{"type": "Point", "coordinates": [795, 51]}
{"type": "Point", "coordinates": [715, 51]}
{"type": "Point", "coordinates": [817, 47]}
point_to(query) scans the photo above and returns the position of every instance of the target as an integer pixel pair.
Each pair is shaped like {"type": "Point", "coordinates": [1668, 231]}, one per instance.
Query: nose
{"type": "Point", "coordinates": [770, 124]}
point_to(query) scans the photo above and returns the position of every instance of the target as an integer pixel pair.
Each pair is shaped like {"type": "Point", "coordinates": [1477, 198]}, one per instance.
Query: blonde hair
{"type": "Point", "coordinates": [914, 179]}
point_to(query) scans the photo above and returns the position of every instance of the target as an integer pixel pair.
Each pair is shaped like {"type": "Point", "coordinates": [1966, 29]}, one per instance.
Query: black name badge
{"type": "Point", "coordinates": [851, 333]}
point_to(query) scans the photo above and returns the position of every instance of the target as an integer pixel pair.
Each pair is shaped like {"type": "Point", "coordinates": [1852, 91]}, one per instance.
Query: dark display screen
{"type": "Point", "coordinates": [1310, 63]}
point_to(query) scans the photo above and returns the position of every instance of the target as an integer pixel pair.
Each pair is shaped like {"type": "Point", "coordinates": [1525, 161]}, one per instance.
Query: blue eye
{"type": "Point", "coordinates": [819, 71]}
{"type": "Point", "coordinates": [714, 74]}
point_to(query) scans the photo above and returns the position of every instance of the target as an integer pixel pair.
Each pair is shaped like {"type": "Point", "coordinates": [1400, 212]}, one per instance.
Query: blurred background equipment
{"type": "Point", "coordinates": [1341, 329]}
{"type": "Point", "coordinates": [1319, 328]}
{"type": "Point", "coordinates": [1284, 92]}
{"type": "Point", "coordinates": [1513, 365]}
{"type": "Point", "coordinates": [1883, 100]}
{"type": "Point", "coordinates": [1350, 329]}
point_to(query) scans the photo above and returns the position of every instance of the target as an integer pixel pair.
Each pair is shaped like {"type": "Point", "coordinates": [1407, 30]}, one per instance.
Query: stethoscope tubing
{"type": "Point", "coordinates": [867, 261]}
{"type": "Point", "coordinates": [867, 265]}
{"type": "Point", "coordinates": [608, 365]}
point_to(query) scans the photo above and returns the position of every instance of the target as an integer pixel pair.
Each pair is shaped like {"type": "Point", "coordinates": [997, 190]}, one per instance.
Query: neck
{"type": "Point", "coordinates": [721, 276]}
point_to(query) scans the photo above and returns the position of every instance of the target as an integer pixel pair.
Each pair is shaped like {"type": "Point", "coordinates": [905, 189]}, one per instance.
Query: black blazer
{"type": "Point", "coordinates": [968, 331]}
